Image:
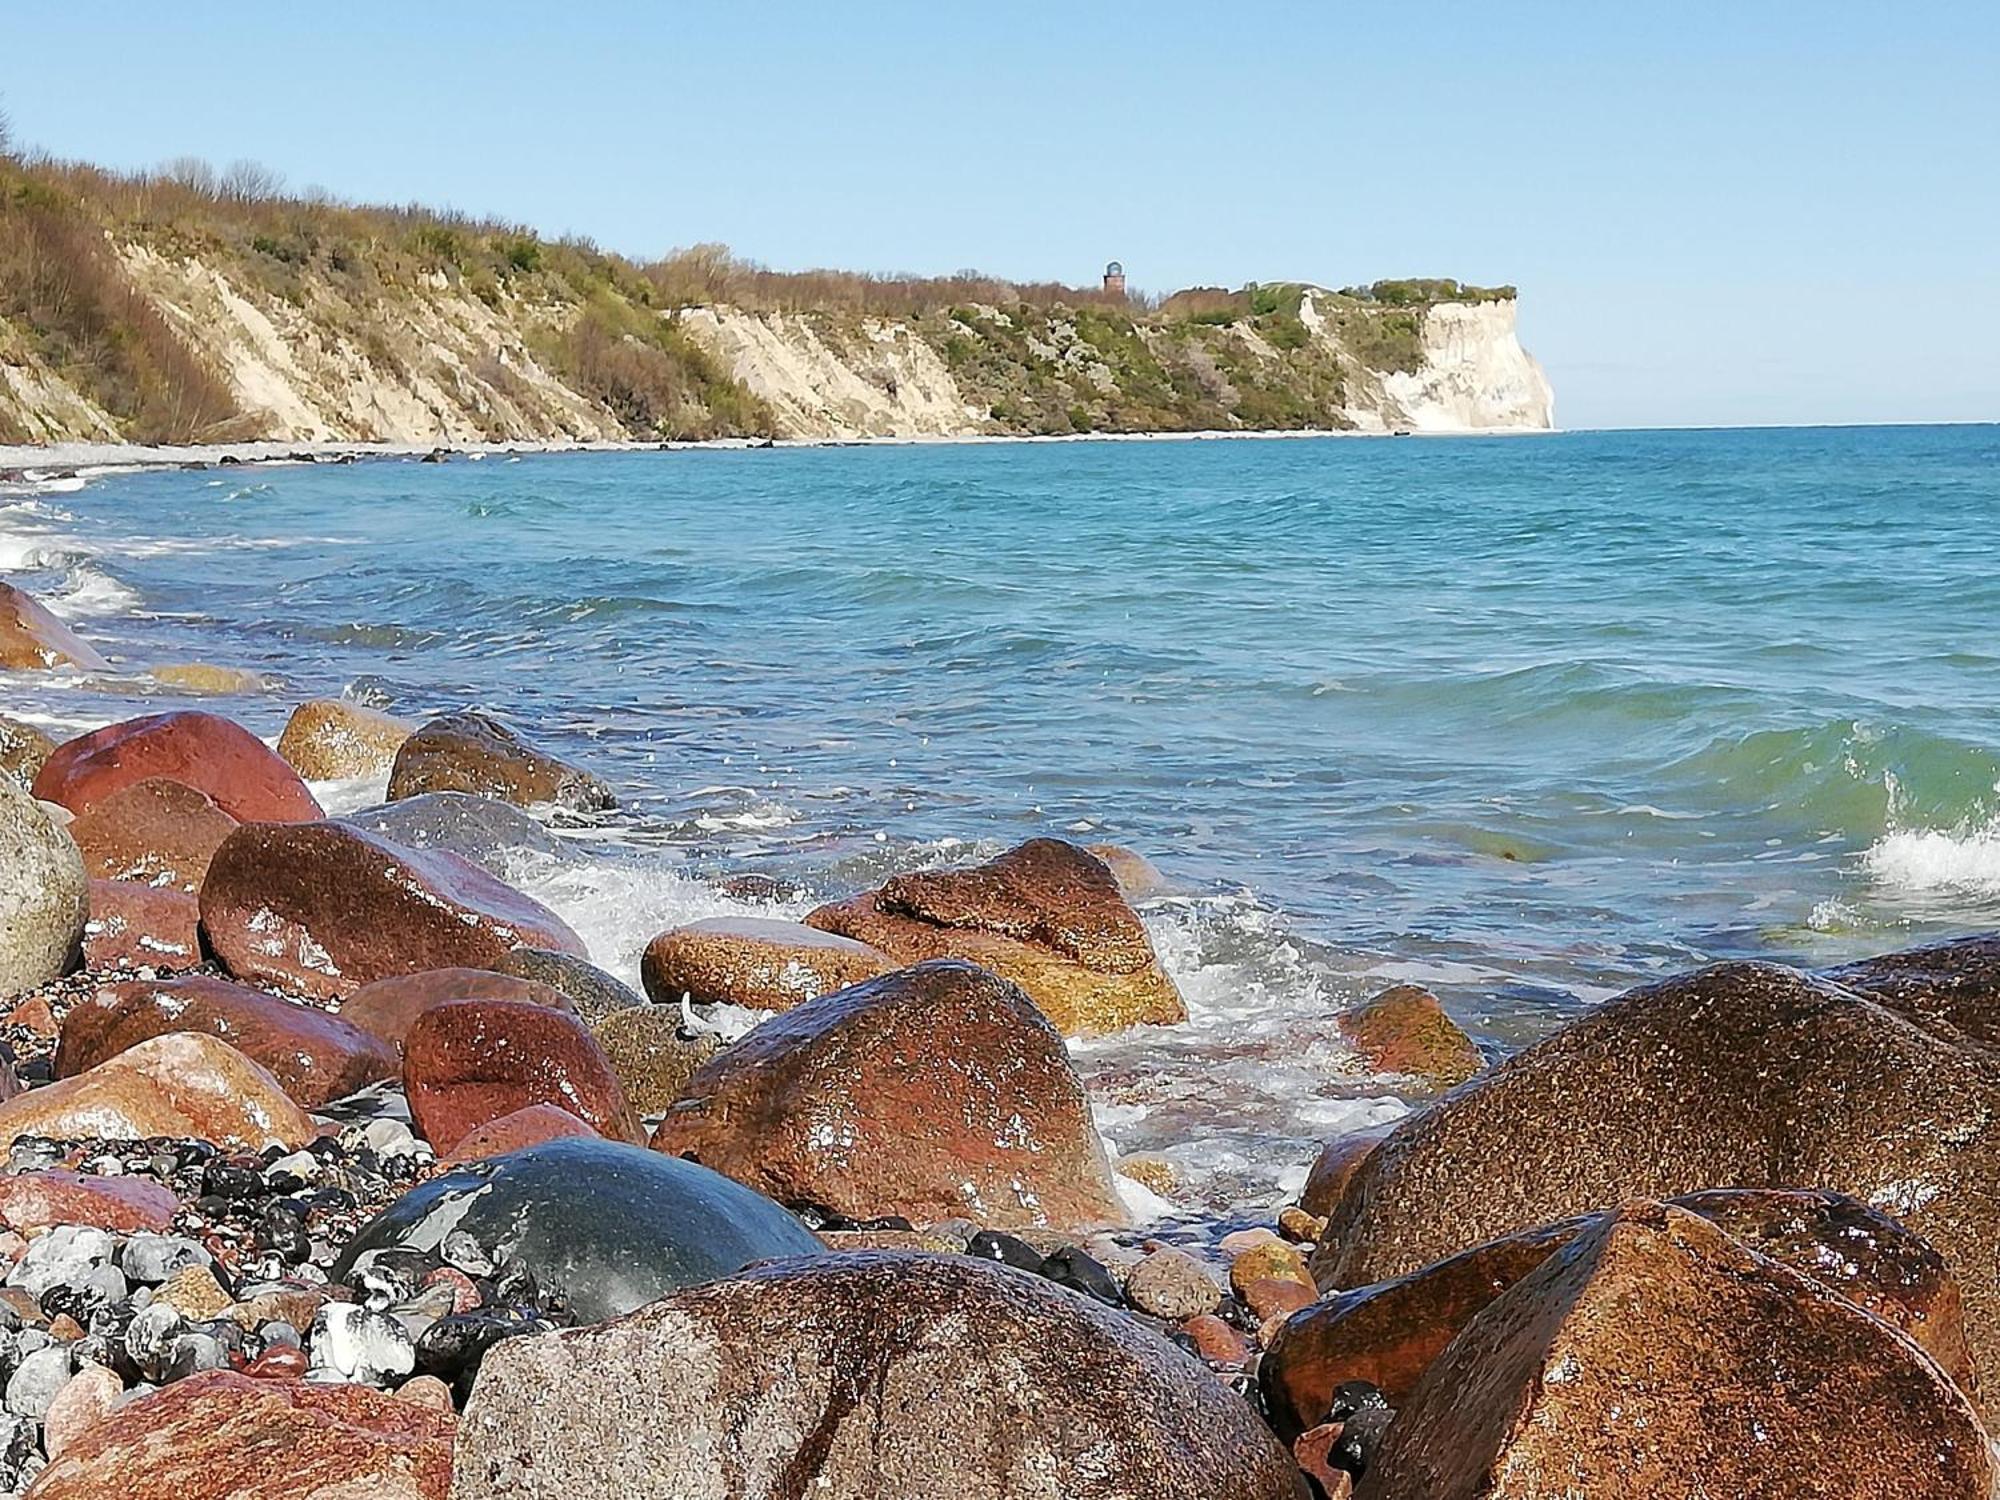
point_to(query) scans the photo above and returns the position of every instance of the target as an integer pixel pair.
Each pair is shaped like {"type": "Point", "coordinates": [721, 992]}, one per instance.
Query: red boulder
{"type": "Point", "coordinates": [244, 776]}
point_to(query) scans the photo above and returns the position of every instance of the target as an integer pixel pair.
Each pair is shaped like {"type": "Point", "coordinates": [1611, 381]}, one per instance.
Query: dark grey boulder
{"type": "Point", "coordinates": [610, 1226]}
{"type": "Point", "coordinates": [594, 993]}
{"type": "Point", "coordinates": [488, 832]}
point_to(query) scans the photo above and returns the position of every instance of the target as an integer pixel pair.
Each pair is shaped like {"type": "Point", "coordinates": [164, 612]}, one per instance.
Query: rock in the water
{"type": "Point", "coordinates": [157, 832]}
{"type": "Point", "coordinates": [531, 1125]}
{"type": "Point", "coordinates": [593, 993]}
{"type": "Point", "coordinates": [1742, 1073]}
{"type": "Point", "coordinates": [36, 1200]}
{"type": "Point", "coordinates": [470, 1062]}
{"type": "Point", "coordinates": [33, 640]}
{"type": "Point", "coordinates": [1046, 915]}
{"type": "Point", "coordinates": [1338, 1160]}
{"type": "Point", "coordinates": [238, 771]}
{"type": "Point", "coordinates": [474, 752]}
{"type": "Point", "coordinates": [181, 1085]}
{"type": "Point", "coordinates": [314, 1056]}
{"type": "Point", "coordinates": [1405, 1030]}
{"type": "Point", "coordinates": [225, 1436]}
{"type": "Point", "coordinates": [934, 1091]}
{"type": "Point", "coordinates": [390, 1007]}
{"type": "Point", "coordinates": [207, 677]}
{"type": "Point", "coordinates": [1137, 876]}
{"type": "Point", "coordinates": [44, 897]}
{"type": "Point", "coordinates": [755, 962]}
{"type": "Point", "coordinates": [492, 834]}
{"type": "Point", "coordinates": [1658, 1357]}
{"type": "Point", "coordinates": [133, 925]}
{"type": "Point", "coordinates": [23, 750]}
{"type": "Point", "coordinates": [610, 1227]}
{"type": "Point", "coordinates": [328, 739]}
{"type": "Point", "coordinates": [653, 1054]}
{"type": "Point", "coordinates": [874, 1374]}
{"type": "Point", "coordinates": [325, 907]}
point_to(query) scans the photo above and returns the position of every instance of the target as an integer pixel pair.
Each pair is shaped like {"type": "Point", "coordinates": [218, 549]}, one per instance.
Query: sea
{"type": "Point", "coordinates": [1526, 720]}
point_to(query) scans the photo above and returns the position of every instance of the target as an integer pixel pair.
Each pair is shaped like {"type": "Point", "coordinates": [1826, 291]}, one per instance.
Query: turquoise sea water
{"type": "Point", "coordinates": [1529, 720]}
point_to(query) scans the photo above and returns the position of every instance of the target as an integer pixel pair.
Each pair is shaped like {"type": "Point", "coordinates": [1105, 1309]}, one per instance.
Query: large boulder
{"type": "Point", "coordinates": [935, 1091]}
{"type": "Point", "coordinates": [32, 1201]}
{"type": "Point", "coordinates": [474, 752]}
{"type": "Point", "coordinates": [1660, 1359]}
{"type": "Point", "coordinates": [608, 1227]}
{"type": "Point", "coordinates": [325, 907]}
{"type": "Point", "coordinates": [469, 1062]}
{"type": "Point", "coordinates": [224, 1436]}
{"type": "Point", "coordinates": [390, 1007]}
{"type": "Point", "coordinates": [185, 1084]}
{"type": "Point", "coordinates": [243, 775]}
{"type": "Point", "coordinates": [328, 739]}
{"type": "Point", "coordinates": [44, 895]}
{"type": "Point", "coordinates": [315, 1057]}
{"type": "Point", "coordinates": [154, 832]}
{"type": "Point", "coordinates": [1047, 915]}
{"type": "Point", "coordinates": [863, 1377]}
{"type": "Point", "coordinates": [24, 749]}
{"type": "Point", "coordinates": [133, 926]}
{"type": "Point", "coordinates": [756, 962]}
{"type": "Point", "coordinates": [33, 640]}
{"type": "Point", "coordinates": [1388, 1334]}
{"type": "Point", "coordinates": [492, 834]}
{"type": "Point", "coordinates": [1742, 1074]}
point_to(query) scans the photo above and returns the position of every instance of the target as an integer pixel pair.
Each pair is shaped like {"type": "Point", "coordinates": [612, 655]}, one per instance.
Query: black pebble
{"type": "Point", "coordinates": [991, 1244]}
{"type": "Point", "coordinates": [1079, 1272]}
{"type": "Point", "coordinates": [226, 1179]}
{"type": "Point", "coordinates": [1359, 1437]}
{"type": "Point", "coordinates": [1352, 1396]}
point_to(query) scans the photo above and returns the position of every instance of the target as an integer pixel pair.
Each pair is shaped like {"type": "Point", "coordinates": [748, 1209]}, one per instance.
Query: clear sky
{"type": "Point", "coordinates": [1716, 213]}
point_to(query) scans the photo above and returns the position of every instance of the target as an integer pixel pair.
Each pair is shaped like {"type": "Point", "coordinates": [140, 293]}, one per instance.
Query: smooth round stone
{"type": "Point", "coordinates": [612, 1226]}
{"type": "Point", "coordinates": [482, 829]}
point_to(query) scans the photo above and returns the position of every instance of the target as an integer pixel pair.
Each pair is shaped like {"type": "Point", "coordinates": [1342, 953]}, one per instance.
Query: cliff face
{"type": "Point", "coordinates": [296, 345]}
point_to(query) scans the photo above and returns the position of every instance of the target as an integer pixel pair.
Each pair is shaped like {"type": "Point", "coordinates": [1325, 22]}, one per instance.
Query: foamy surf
{"type": "Point", "coordinates": [1930, 860]}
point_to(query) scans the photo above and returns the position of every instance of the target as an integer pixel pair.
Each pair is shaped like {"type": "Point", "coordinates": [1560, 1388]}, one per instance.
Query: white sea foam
{"type": "Point", "coordinates": [1933, 860]}
{"type": "Point", "coordinates": [87, 593]}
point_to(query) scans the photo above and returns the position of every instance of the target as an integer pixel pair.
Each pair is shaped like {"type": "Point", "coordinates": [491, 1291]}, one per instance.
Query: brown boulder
{"type": "Point", "coordinates": [528, 1126]}
{"type": "Point", "coordinates": [934, 1091]}
{"type": "Point", "coordinates": [324, 908]}
{"type": "Point", "coordinates": [32, 639]}
{"type": "Point", "coordinates": [237, 770]}
{"type": "Point", "coordinates": [37, 1200]}
{"type": "Point", "coordinates": [1338, 1160]}
{"type": "Point", "coordinates": [131, 925]}
{"type": "Point", "coordinates": [1137, 876]}
{"type": "Point", "coordinates": [1405, 1030]}
{"type": "Point", "coordinates": [877, 1373]}
{"type": "Point", "coordinates": [1659, 1358]}
{"type": "Point", "coordinates": [314, 1056]}
{"type": "Point", "coordinates": [388, 1008]}
{"type": "Point", "coordinates": [593, 994]}
{"type": "Point", "coordinates": [471, 1062]}
{"type": "Point", "coordinates": [1741, 1074]}
{"type": "Point", "coordinates": [653, 1056]}
{"type": "Point", "coordinates": [473, 752]}
{"type": "Point", "coordinates": [1046, 915]}
{"type": "Point", "coordinates": [23, 750]}
{"type": "Point", "coordinates": [755, 962]}
{"type": "Point", "coordinates": [206, 677]}
{"type": "Point", "coordinates": [224, 1436]}
{"type": "Point", "coordinates": [155, 832]}
{"type": "Point", "coordinates": [181, 1085]}
{"type": "Point", "coordinates": [331, 739]}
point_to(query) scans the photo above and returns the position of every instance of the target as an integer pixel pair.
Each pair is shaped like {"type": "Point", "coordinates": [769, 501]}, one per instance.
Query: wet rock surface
{"type": "Point", "coordinates": [33, 640]}
{"type": "Point", "coordinates": [593, 994]}
{"type": "Point", "coordinates": [490, 833]}
{"type": "Point", "coordinates": [388, 1008]}
{"type": "Point", "coordinates": [132, 925]}
{"type": "Point", "coordinates": [155, 832]}
{"type": "Point", "coordinates": [476, 753]}
{"type": "Point", "coordinates": [468, 1063]}
{"type": "Point", "coordinates": [933, 1091]}
{"type": "Point", "coordinates": [23, 749]}
{"type": "Point", "coordinates": [756, 962]}
{"type": "Point", "coordinates": [1405, 1030]}
{"type": "Point", "coordinates": [238, 772]}
{"type": "Point", "coordinates": [654, 1053]}
{"type": "Point", "coordinates": [330, 739]}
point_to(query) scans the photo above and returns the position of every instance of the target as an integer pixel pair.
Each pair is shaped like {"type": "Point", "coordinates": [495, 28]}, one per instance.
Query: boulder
{"type": "Point", "coordinates": [154, 832]}
{"type": "Point", "coordinates": [132, 925]}
{"type": "Point", "coordinates": [207, 678]}
{"type": "Point", "coordinates": [44, 896]}
{"type": "Point", "coordinates": [186, 1084]}
{"type": "Point", "coordinates": [1657, 1357]}
{"type": "Point", "coordinates": [388, 1008]}
{"type": "Point", "coordinates": [474, 752]}
{"type": "Point", "coordinates": [220, 1435]}
{"type": "Point", "coordinates": [331, 739]}
{"type": "Point", "coordinates": [33, 640]}
{"type": "Point", "coordinates": [531, 1125]}
{"type": "Point", "coordinates": [654, 1054]}
{"type": "Point", "coordinates": [593, 994]}
{"type": "Point", "coordinates": [755, 962]}
{"type": "Point", "coordinates": [238, 771]}
{"type": "Point", "coordinates": [31, 1201]}
{"type": "Point", "coordinates": [873, 1374]}
{"type": "Point", "coordinates": [1137, 876]}
{"type": "Point", "coordinates": [324, 908]}
{"type": "Point", "coordinates": [1046, 915]}
{"type": "Point", "coordinates": [469, 1062]}
{"type": "Point", "coordinates": [1389, 1333]}
{"type": "Point", "coordinates": [1405, 1030]}
{"type": "Point", "coordinates": [1742, 1074]}
{"type": "Point", "coordinates": [932, 1092]}
{"type": "Point", "coordinates": [315, 1057]}
{"type": "Point", "coordinates": [23, 749]}
{"type": "Point", "coordinates": [1338, 1160]}
{"type": "Point", "coordinates": [493, 835]}
{"type": "Point", "coordinates": [610, 1227]}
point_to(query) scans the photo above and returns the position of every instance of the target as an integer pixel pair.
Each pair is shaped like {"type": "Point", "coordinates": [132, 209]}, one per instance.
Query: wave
{"type": "Point", "coordinates": [1933, 861]}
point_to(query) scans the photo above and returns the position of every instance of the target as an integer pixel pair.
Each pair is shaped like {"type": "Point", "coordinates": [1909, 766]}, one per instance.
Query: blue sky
{"type": "Point", "coordinates": [1751, 212]}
